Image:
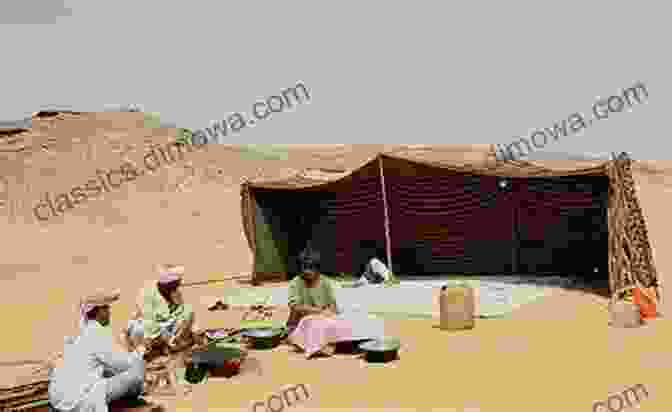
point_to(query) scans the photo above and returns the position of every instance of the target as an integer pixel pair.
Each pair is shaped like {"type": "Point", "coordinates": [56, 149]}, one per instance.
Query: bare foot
{"type": "Point", "coordinates": [329, 350]}
{"type": "Point", "coordinates": [296, 348]}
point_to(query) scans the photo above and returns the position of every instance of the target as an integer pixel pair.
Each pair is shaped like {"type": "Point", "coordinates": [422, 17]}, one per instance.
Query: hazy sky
{"type": "Point", "coordinates": [393, 71]}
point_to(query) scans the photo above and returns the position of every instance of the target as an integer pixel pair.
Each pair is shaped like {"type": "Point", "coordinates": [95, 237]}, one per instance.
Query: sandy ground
{"type": "Point", "coordinates": [556, 354]}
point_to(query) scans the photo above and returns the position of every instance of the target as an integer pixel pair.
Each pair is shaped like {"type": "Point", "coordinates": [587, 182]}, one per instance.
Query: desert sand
{"type": "Point", "coordinates": [557, 354]}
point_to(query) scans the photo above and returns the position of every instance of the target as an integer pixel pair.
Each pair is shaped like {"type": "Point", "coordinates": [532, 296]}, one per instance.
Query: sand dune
{"type": "Point", "coordinates": [558, 352]}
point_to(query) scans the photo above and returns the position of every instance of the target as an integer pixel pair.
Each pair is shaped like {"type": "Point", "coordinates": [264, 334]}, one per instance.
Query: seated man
{"type": "Point", "coordinates": [315, 324]}
{"type": "Point", "coordinates": [79, 382]}
{"type": "Point", "coordinates": [162, 318]}
{"type": "Point", "coordinates": [375, 272]}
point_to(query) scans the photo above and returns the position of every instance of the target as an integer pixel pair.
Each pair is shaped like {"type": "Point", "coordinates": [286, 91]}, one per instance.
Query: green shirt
{"type": "Point", "coordinates": [156, 309]}
{"type": "Point", "coordinates": [320, 295]}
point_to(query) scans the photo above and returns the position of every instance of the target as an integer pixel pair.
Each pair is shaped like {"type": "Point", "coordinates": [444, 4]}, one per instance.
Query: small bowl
{"type": "Point", "coordinates": [381, 350]}
{"type": "Point", "coordinates": [228, 369]}
{"type": "Point", "coordinates": [222, 359]}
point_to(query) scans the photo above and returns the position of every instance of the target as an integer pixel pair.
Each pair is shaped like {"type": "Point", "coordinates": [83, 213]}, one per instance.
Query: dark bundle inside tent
{"type": "Point", "coordinates": [456, 211]}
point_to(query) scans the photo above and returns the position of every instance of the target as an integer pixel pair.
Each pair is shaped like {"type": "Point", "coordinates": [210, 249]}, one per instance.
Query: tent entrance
{"type": "Point", "coordinates": [332, 219]}
{"type": "Point", "coordinates": [440, 222]}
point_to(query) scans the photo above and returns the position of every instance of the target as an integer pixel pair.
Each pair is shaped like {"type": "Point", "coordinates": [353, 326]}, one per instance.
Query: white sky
{"type": "Point", "coordinates": [412, 72]}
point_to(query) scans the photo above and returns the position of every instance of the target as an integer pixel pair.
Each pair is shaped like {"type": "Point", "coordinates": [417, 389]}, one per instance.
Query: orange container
{"type": "Point", "coordinates": [647, 306]}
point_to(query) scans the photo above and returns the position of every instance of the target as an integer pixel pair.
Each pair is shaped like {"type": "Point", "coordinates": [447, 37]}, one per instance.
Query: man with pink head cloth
{"type": "Point", "coordinates": [93, 372]}
{"type": "Point", "coordinates": [162, 316]}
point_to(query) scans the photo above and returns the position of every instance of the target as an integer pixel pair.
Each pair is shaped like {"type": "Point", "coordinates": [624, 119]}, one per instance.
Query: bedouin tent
{"type": "Point", "coordinates": [450, 211]}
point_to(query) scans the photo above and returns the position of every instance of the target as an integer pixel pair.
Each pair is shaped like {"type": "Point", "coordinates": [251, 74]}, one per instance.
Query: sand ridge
{"type": "Point", "coordinates": [557, 354]}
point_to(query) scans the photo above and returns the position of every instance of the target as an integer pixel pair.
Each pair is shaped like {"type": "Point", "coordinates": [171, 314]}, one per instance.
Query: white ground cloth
{"type": "Point", "coordinates": [498, 295]}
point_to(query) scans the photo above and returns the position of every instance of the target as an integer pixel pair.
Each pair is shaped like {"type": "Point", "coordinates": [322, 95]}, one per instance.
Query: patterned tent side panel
{"type": "Point", "coordinates": [631, 259]}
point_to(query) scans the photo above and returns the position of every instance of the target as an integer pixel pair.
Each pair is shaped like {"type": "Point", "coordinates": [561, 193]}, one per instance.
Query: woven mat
{"type": "Point", "coordinates": [19, 375]}
{"type": "Point", "coordinates": [37, 406]}
{"type": "Point", "coordinates": [136, 405]}
{"type": "Point", "coordinates": [20, 386]}
{"type": "Point", "coordinates": [20, 401]}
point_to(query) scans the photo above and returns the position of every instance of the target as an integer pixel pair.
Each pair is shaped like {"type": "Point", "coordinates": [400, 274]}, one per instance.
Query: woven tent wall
{"type": "Point", "coordinates": [447, 222]}
{"type": "Point", "coordinates": [322, 218]}
{"type": "Point", "coordinates": [627, 264]}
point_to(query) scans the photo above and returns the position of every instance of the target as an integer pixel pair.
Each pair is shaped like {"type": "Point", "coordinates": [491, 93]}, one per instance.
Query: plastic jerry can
{"type": "Point", "coordinates": [456, 307]}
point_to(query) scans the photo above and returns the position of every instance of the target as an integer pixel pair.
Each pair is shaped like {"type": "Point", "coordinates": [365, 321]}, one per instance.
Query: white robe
{"type": "Point", "coordinates": [77, 385]}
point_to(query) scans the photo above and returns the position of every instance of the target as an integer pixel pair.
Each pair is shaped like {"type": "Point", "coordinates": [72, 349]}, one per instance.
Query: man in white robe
{"type": "Point", "coordinates": [93, 371]}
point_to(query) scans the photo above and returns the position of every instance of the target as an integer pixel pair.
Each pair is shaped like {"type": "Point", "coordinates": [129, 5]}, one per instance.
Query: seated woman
{"type": "Point", "coordinates": [162, 318]}
{"type": "Point", "coordinates": [315, 324]}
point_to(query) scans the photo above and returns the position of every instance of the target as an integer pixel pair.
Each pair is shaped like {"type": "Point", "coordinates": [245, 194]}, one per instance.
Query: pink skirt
{"type": "Point", "coordinates": [314, 333]}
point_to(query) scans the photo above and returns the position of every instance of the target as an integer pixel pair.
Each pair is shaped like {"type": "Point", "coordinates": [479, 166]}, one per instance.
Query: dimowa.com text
{"type": "Point", "coordinates": [234, 123]}
{"type": "Point", "coordinates": [268, 406]}
{"type": "Point", "coordinates": [625, 400]}
{"type": "Point", "coordinates": [576, 121]}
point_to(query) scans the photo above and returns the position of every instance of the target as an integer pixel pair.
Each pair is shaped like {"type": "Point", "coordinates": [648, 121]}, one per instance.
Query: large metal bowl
{"type": "Point", "coordinates": [264, 338]}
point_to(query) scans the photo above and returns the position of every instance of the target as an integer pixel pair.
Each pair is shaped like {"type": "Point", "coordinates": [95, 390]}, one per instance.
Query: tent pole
{"type": "Point", "coordinates": [387, 217]}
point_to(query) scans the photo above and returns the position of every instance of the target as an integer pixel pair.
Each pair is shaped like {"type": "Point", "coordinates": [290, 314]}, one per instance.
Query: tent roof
{"type": "Point", "coordinates": [480, 159]}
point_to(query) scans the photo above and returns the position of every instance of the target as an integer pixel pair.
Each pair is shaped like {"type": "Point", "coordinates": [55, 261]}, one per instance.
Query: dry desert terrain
{"type": "Point", "coordinates": [557, 354]}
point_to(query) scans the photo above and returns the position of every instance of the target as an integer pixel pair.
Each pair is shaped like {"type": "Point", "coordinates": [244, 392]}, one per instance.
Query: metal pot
{"type": "Point", "coordinates": [264, 338]}
{"type": "Point", "coordinates": [381, 350]}
{"type": "Point", "coordinates": [224, 358]}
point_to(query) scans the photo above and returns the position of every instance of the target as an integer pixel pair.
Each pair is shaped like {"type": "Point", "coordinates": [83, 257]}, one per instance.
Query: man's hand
{"type": "Point", "coordinates": [141, 350]}
{"type": "Point", "coordinates": [328, 311]}
{"type": "Point", "coordinates": [177, 297]}
{"type": "Point", "coordinates": [316, 310]}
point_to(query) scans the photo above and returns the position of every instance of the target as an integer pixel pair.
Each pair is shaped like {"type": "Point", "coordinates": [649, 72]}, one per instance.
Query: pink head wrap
{"type": "Point", "coordinates": [100, 298]}
{"type": "Point", "coordinates": [85, 308]}
{"type": "Point", "coordinates": [170, 275]}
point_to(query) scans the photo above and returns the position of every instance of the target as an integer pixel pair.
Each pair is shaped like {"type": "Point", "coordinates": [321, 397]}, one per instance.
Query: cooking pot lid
{"type": "Point", "coordinates": [218, 333]}
{"type": "Point", "coordinates": [381, 345]}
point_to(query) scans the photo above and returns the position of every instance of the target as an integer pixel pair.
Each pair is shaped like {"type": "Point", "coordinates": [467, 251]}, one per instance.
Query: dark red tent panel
{"type": "Point", "coordinates": [440, 222]}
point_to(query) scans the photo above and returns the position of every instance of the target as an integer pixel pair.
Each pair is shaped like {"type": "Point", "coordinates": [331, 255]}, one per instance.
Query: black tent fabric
{"type": "Point", "coordinates": [456, 210]}
{"type": "Point", "coordinates": [331, 220]}
{"type": "Point", "coordinates": [561, 225]}
{"type": "Point", "coordinates": [440, 221]}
